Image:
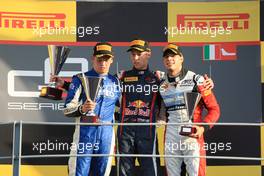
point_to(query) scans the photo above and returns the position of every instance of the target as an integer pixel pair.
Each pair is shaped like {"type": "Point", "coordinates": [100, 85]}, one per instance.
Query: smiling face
{"type": "Point", "coordinates": [140, 59]}
{"type": "Point", "coordinates": [102, 64]}
{"type": "Point", "coordinates": [173, 62]}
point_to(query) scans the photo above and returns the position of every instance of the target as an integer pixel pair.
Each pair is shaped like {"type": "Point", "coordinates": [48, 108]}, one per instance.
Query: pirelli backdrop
{"type": "Point", "coordinates": [216, 39]}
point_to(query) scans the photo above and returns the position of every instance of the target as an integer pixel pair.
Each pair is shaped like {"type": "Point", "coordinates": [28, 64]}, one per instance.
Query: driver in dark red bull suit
{"type": "Point", "coordinates": [139, 104]}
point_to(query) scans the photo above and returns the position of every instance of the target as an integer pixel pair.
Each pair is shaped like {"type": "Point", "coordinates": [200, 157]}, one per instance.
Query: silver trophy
{"type": "Point", "coordinates": [91, 86]}
{"type": "Point", "coordinates": [57, 57]}
{"type": "Point", "coordinates": [191, 101]}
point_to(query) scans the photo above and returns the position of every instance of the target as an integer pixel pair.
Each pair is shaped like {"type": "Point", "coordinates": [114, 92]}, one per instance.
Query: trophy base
{"type": "Point", "coordinates": [51, 93]}
{"type": "Point", "coordinates": [187, 130]}
{"type": "Point", "coordinates": [90, 119]}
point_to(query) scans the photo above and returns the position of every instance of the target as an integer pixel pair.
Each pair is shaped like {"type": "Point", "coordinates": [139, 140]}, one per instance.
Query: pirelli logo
{"type": "Point", "coordinates": [21, 20]}
{"type": "Point", "coordinates": [131, 79]}
{"type": "Point", "coordinates": [239, 21]}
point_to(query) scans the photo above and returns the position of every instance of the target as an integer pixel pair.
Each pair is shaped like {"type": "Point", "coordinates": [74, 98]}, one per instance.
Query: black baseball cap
{"type": "Point", "coordinates": [102, 49]}
{"type": "Point", "coordinates": [171, 49]}
{"type": "Point", "coordinates": [139, 45]}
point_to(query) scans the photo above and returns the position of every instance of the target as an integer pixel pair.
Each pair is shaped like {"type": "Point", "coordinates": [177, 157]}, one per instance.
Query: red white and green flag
{"type": "Point", "coordinates": [219, 52]}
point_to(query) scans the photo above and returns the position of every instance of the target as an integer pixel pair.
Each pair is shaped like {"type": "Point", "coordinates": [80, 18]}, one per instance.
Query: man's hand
{"type": "Point", "coordinates": [59, 81]}
{"type": "Point", "coordinates": [88, 106]}
{"type": "Point", "coordinates": [208, 83]}
{"type": "Point", "coordinates": [199, 131]}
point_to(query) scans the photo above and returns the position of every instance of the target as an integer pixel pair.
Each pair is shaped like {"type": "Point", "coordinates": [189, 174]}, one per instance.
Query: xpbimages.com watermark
{"type": "Point", "coordinates": [174, 31]}
{"type": "Point", "coordinates": [147, 89]}
{"type": "Point", "coordinates": [212, 147]}
{"type": "Point", "coordinates": [81, 31]}
{"type": "Point", "coordinates": [49, 145]}
{"type": "Point", "coordinates": [171, 147]}
{"type": "Point", "coordinates": [138, 88]}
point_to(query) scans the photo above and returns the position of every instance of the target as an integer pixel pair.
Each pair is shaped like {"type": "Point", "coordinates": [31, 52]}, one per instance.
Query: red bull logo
{"type": "Point", "coordinates": [138, 104]}
{"type": "Point", "coordinates": [138, 107]}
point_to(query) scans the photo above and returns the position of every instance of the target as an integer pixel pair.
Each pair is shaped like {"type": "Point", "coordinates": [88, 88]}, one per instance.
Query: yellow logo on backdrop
{"type": "Point", "coordinates": [32, 20]}
{"type": "Point", "coordinates": [213, 22]}
{"type": "Point", "coordinates": [38, 21]}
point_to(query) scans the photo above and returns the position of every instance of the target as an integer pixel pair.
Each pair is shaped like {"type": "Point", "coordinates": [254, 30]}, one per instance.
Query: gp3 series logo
{"type": "Point", "coordinates": [13, 75]}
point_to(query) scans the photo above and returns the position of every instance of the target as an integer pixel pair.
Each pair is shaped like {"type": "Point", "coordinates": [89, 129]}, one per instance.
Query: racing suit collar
{"type": "Point", "coordinates": [179, 77]}
{"type": "Point", "coordinates": [140, 72]}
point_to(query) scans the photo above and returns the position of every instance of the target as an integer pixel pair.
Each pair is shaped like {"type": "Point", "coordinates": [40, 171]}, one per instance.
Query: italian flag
{"type": "Point", "coordinates": [212, 52]}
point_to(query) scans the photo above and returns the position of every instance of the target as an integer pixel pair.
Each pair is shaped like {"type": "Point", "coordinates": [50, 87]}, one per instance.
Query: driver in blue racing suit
{"type": "Point", "coordinates": [93, 139]}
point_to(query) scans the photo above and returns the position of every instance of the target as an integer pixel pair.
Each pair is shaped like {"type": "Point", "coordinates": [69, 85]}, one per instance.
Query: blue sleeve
{"type": "Point", "coordinates": [72, 102]}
